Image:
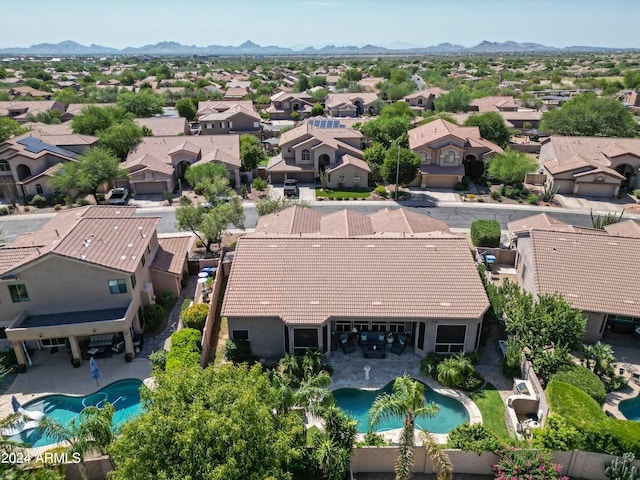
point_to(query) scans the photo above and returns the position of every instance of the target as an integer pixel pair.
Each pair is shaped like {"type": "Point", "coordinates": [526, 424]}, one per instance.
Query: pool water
{"type": "Point", "coordinates": [631, 408]}
{"type": "Point", "coordinates": [124, 395]}
{"type": "Point", "coordinates": [356, 403]}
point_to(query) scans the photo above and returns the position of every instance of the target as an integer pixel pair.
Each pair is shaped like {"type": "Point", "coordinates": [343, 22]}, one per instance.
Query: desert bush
{"type": "Point", "coordinates": [259, 183]}
{"type": "Point", "coordinates": [195, 316]}
{"type": "Point", "coordinates": [474, 438]}
{"type": "Point", "coordinates": [185, 350]}
{"type": "Point", "coordinates": [38, 201]}
{"type": "Point", "coordinates": [381, 191]}
{"type": "Point", "coordinates": [158, 359]}
{"type": "Point", "coordinates": [485, 233]}
{"type": "Point", "coordinates": [153, 314]}
{"type": "Point", "coordinates": [165, 299]}
{"type": "Point", "coordinates": [532, 199]}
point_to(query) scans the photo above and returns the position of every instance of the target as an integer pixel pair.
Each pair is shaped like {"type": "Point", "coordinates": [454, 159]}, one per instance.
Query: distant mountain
{"type": "Point", "coordinates": [69, 47]}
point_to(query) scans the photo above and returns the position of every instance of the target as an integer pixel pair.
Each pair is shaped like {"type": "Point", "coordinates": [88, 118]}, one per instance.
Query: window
{"type": "Point", "coordinates": [328, 177]}
{"type": "Point", "coordinates": [325, 339]}
{"type": "Point", "coordinates": [209, 125]}
{"type": "Point", "coordinates": [421, 332]}
{"type": "Point", "coordinates": [304, 338]}
{"type": "Point", "coordinates": [379, 327]}
{"type": "Point", "coordinates": [117, 286]}
{"type": "Point", "coordinates": [343, 327]}
{"type": "Point", "coordinates": [230, 124]}
{"type": "Point", "coordinates": [53, 342]}
{"type": "Point", "coordinates": [18, 293]}
{"type": "Point", "coordinates": [306, 156]}
{"type": "Point", "coordinates": [4, 166]}
{"type": "Point", "coordinates": [395, 327]}
{"type": "Point", "coordinates": [356, 178]}
{"type": "Point", "coordinates": [148, 248]}
{"type": "Point", "coordinates": [143, 260]}
{"type": "Point", "coordinates": [450, 338]}
{"type": "Point", "coordinates": [240, 335]}
{"type": "Point", "coordinates": [361, 326]}
{"type": "Point", "coordinates": [449, 157]}
{"type": "Point", "coordinates": [133, 281]}
{"type": "Point", "coordinates": [221, 124]}
{"type": "Point", "coordinates": [420, 101]}
{"type": "Point", "coordinates": [39, 189]}
{"type": "Point", "coordinates": [340, 178]}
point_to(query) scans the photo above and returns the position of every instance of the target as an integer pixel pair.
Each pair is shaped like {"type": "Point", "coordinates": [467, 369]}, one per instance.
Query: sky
{"type": "Point", "coordinates": [301, 23]}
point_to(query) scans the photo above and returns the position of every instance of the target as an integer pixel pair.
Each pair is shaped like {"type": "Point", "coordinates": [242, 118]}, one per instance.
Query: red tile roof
{"type": "Point", "coordinates": [172, 253]}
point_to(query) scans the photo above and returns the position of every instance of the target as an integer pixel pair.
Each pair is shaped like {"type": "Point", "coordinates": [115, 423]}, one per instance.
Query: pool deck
{"type": "Point", "coordinates": [52, 373]}
{"type": "Point", "coordinates": [349, 373]}
{"type": "Point", "coordinates": [627, 353]}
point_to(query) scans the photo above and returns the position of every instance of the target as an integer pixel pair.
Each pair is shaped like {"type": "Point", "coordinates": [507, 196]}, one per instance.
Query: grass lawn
{"type": "Point", "coordinates": [492, 408]}
{"type": "Point", "coordinates": [327, 193]}
{"type": "Point", "coordinates": [264, 162]}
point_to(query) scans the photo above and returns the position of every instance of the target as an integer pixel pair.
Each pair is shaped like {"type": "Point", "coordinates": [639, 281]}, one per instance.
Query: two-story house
{"type": "Point", "coordinates": [334, 273]}
{"type": "Point", "coordinates": [222, 117]}
{"type": "Point", "coordinates": [156, 163]}
{"type": "Point", "coordinates": [593, 166]}
{"type": "Point", "coordinates": [443, 147]}
{"type": "Point", "coordinates": [306, 151]}
{"type": "Point", "coordinates": [30, 159]}
{"type": "Point", "coordinates": [493, 104]}
{"type": "Point", "coordinates": [283, 104]}
{"type": "Point", "coordinates": [84, 277]}
{"type": "Point", "coordinates": [20, 110]}
{"type": "Point", "coordinates": [349, 104]}
{"type": "Point", "coordinates": [423, 100]}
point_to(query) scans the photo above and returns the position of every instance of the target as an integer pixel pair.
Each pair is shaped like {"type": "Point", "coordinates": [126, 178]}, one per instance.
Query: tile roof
{"type": "Point", "coordinates": [77, 108]}
{"type": "Point", "coordinates": [493, 104]}
{"type": "Point", "coordinates": [309, 280]}
{"type": "Point", "coordinates": [347, 159]}
{"type": "Point", "coordinates": [216, 106]}
{"type": "Point", "coordinates": [307, 131]}
{"type": "Point", "coordinates": [171, 254]}
{"type": "Point", "coordinates": [148, 162]}
{"type": "Point", "coordinates": [402, 220]}
{"type": "Point", "coordinates": [596, 273]}
{"type": "Point", "coordinates": [628, 228]}
{"type": "Point", "coordinates": [440, 128]}
{"type": "Point", "coordinates": [33, 107]}
{"type": "Point", "coordinates": [292, 220]}
{"type": "Point", "coordinates": [42, 129]}
{"type": "Point", "coordinates": [543, 221]}
{"type": "Point", "coordinates": [12, 257]}
{"type": "Point", "coordinates": [345, 223]}
{"type": "Point", "coordinates": [335, 99]}
{"type": "Point", "coordinates": [164, 126]}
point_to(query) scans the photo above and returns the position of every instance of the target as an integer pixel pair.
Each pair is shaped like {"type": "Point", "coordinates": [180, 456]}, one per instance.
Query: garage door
{"type": "Point", "coordinates": [150, 187]}
{"type": "Point", "coordinates": [441, 181]}
{"type": "Point", "coordinates": [596, 189]}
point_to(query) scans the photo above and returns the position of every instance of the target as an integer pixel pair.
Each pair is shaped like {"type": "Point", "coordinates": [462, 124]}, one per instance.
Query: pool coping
{"type": "Point", "coordinates": [394, 434]}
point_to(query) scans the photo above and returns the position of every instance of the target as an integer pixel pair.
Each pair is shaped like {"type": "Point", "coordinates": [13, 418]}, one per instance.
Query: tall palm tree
{"type": "Point", "coordinates": [309, 395]}
{"type": "Point", "coordinates": [442, 465]}
{"type": "Point", "coordinates": [408, 401]}
{"type": "Point", "coordinates": [89, 432]}
{"type": "Point", "coordinates": [312, 362]}
{"type": "Point", "coordinates": [334, 447]}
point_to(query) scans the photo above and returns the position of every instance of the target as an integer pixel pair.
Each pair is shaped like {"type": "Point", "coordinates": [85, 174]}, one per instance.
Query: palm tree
{"type": "Point", "coordinates": [312, 362]}
{"type": "Point", "coordinates": [89, 432]}
{"type": "Point", "coordinates": [442, 465]}
{"type": "Point", "coordinates": [289, 366]}
{"type": "Point", "coordinates": [453, 371]}
{"type": "Point", "coordinates": [333, 448]}
{"type": "Point", "coordinates": [599, 359]}
{"type": "Point", "coordinates": [408, 401]}
{"type": "Point", "coordinates": [310, 395]}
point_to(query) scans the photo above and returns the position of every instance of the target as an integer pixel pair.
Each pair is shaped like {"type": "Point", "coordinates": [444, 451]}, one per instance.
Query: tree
{"type": "Point", "coordinates": [95, 119]}
{"type": "Point", "coordinates": [334, 447]}
{"type": "Point", "coordinates": [374, 156]}
{"type": "Point", "coordinates": [211, 424]}
{"type": "Point", "coordinates": [270, 204]}
{"type": "Point", "coordinates": [67, 96]}
{"type": "Point", "coordinates": [455, 101]}
{"type": "Point", "coordinates": [492, 127]}
{"type": "Point", "coordinates": [209, 226]}
{"type": "Point", "coordinates": [142, 104]}
{"type": "Point", "coordinates": [10, 128]}
{"type": "Point", "coordinates": [93, 169]}
{"type": "Point", "coordinates": [631, 80]}
{"type": "Point", "coordinates": [120, 137]}
{"type": "Point", "coordinates": [397, 109]}
{"type": "Point", "coordinates": [386, 130]}
{"type": "Point", "coordinates": [186, 108]}
{"type": "Point", "coordinates": [250, 152]}
{"type": "Point", "coordinates": [409, 163]}
{"type": "Point", "coordinates": [196, 175]}
{"type": "Point", "coordinates": [453, 371]}
{"type": "Point", "coordinates": [408, 401]}
{"type": "Point", "coordinates": [511, 167]}
{"type": "Point", "coordinates": [89, 432]}
{"type": "Point", "coordinates": [589, 115]}
{"type": "Point", "coordinates": [317, 110]}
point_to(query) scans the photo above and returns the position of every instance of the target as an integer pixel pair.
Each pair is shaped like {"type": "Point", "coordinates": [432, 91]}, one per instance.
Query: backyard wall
{"type": "Point", "coordinates": [211, 318]}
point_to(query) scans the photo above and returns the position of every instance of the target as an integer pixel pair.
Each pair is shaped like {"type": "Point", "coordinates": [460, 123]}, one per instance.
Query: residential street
{"type": "Point", "coordinates": [455, 215]}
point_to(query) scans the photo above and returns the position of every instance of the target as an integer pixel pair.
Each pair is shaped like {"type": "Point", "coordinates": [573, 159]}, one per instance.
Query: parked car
{"type": "Point", "coordinates": [119, 196]}
{"type": "Point", "coordinates": [217, 201]}
{"type": "Point", "coordinates": [291, 189]}
{"type": "Point", "coordinates": [195, 129]}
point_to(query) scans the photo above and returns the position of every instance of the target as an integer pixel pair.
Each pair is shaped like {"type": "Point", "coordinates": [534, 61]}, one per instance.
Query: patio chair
{"type": "Point", "coordinates": [346, 344]}
{"type": "Point", "coordinates": [399, 344]}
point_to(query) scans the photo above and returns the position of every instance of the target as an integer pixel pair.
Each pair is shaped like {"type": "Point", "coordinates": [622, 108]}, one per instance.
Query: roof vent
{"type": "Point", "coordinates": [376, 303]}
{"type": "Point", "coordinates": [130, 245]}
{"type": "Point", "coordinates": [445, 304]}
{"type": "Point", "coordinates": [273, 245]}
{"type": "Point", "coordinates": [265, 302]}
{"type": "Point", "coordinates": [123, 257]}
{"type": "Point", "coordinates": [314, 302]}
{"type": "Point", "coordinates": [630, 302]}
{"type": "Point", "coordinates": [371, 246]}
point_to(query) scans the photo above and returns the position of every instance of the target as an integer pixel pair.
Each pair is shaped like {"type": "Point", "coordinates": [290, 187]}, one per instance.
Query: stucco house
{"type": "Point", "coordinates": [164, 126]}
{"type": "Point", "coordinates": [591, 166]}
{"type": "Point", "coordinates": [156, 163]}
{"type": "Point", "coordinates": [83, 278]}
{"type": "Point", "coordinates": [222, 117]}
{"type": "Point", "coordinates": [20, 110]}
{"type": "Point", "coordinates": [493, 104]}
{"type": "Point", "coordinates": [30, 159]}
{"type": "Point", "coordinates": [443, 148]}
{"type": "Point", "coordinates": [347, 271]}
{"type": "Point", "coordinates": [423, 100]}
{"type": "Point", "coordinates": [283, 104]}
{"type": "Point", "coordinates": [349, 104]}
{"type": "Point", "coordinates": [306, 151]}
{"type": "Point", "coordinates": [596, 271]}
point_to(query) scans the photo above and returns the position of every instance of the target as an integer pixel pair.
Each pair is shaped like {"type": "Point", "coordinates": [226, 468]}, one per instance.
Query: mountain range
{"type": "Point", "coordinates": [69, 47]}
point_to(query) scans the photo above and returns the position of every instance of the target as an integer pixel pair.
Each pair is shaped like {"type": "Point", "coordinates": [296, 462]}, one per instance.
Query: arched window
{"type": "Point", "coordinates": [449, 157]}
{"type": "Point", "coordinates": [420, 101]}
{"type": "Point", "coordinates": [306, 156]}
{"type": "Point", "coordinates": [39, 189]}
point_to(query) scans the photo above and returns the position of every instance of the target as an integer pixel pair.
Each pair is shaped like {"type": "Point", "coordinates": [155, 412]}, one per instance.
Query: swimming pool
{"type": "Point", "coordinates": [631, 408]}
{"type": "Point", "coordinates": [356, 403]}
{"type": "Point", "coordinates": [124, 395]}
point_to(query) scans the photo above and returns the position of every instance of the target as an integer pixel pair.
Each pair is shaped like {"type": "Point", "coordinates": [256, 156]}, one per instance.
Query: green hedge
{"type": "Point", "coordinates": [598, 432]}
{"type": "Point", "coordinates": [185, 349]}
{"type": "Point", "coordinates": [195, 316]}
{"type": "Point", "coordinates": [485, 233]}
{"type": "Point", "coordinates": [585, 380]}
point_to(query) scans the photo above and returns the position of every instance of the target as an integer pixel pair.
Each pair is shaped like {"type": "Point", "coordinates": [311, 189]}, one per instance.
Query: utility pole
{"type": "Point", "coordinates": [397, 173]}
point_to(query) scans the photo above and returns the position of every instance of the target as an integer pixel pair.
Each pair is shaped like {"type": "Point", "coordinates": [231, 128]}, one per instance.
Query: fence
{"type": "Point", "coordinates": [503, 256]}
{"type": "Point", "coordinates": [535, 178]}
{"type": "Point", "coordinates": [210, 323]}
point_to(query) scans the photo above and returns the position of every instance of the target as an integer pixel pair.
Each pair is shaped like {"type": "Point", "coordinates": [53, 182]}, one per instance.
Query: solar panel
{"type": "Point", "coordinates": [324, 123]}
{"type": "Point", "coordinates": [35, 145]}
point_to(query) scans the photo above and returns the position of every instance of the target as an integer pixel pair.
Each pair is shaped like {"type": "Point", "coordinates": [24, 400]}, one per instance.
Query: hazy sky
{"type": "Point", "coordinates": [122, 23]}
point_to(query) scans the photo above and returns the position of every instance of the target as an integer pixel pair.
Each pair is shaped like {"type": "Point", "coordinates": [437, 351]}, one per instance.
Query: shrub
{"type": "Point", "coordinates": [100, 197]}
{"type": "Point", "coordinates": [475, 438]}
{"type": "Point", "coordinates": [480, 199]}
{"type": "Point", "coordinates": [373, 439]}
{"type": "Point", "coordinates": [238, 351]}
{"type": "Point", "coordinates": [165, 299]}
{"type": "Point", "coordinates": [153, 314]}
{"type": "Point", "coordinates": [510, 192]}
{"type": "Point", "coordinates": [4, 211]}
{"type": "Point", "coordinates": [532, 199]}
{"type": "Point", "coordinates": [495, 194]}
{"type": "Point", "coordinates": [512, 359]}
{"type": "Point", "coordinates": [168, 197]}
{"type": "Point", "coordinates": [585, 380]}
{"type": "Point", "coordinates": [463, 184]}
{"type": "Point", "coordinates": [195, 316]}
{"type": "Point", "coordinates": [38, 201]}
{"type": "Point", "coordinates": [259, 183]}
{"type": "Point", "coordinates": [429, 365]}
{"type": "Point", "coordinates": [186, 303]}
{"type": "Point", "coordinates": [158, 359]}
{"type": "Point", "coordinates": [185, 350]}
{"type": "Point", "coordinates": [83, 202]}
{"type": "Point", "coordinates": [26, 209]}
{"type": "Point", "coordinates": [185, 201]}
{"type": "Point", "coordinates": [485, 233]}
{"type": "Point", "coordinates": [526, 463]}
{"type": "Point", "coordinates": [381, 191]}
{"type": "Point", "coordinates": [57, 207]}
{"type": "Point", "coordinates": [636, 193]}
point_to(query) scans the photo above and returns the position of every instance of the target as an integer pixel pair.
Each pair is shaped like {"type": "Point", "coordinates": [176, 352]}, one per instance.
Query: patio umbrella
{"type": "Point", "coordinates": [15, 404]}
{"type": "Point", "coordinates": [95, 373]}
